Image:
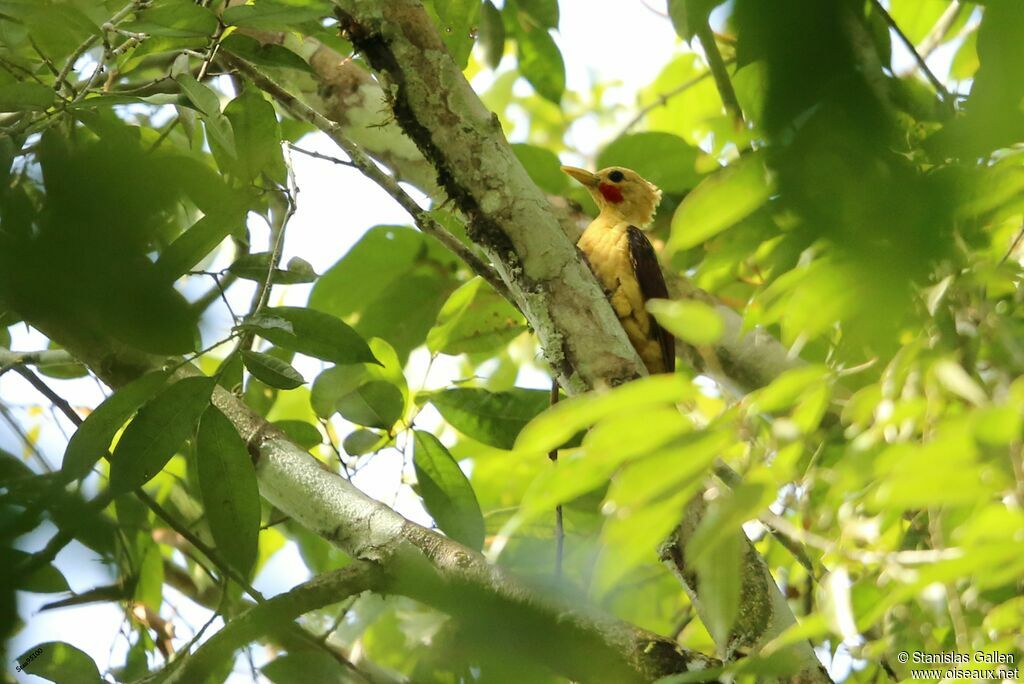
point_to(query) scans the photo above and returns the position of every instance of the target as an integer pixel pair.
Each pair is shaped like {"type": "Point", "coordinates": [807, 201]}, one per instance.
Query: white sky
{"type": "Point", "coordinates": [604, 40]}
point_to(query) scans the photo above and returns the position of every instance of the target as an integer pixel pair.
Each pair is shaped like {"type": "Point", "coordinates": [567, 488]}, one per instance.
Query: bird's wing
{"type": "Point", "coordinates": [652, 286]}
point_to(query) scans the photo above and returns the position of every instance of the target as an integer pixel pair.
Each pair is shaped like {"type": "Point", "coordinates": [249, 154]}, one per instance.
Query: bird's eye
{"type": "Point", "coordinates": [615, 176]}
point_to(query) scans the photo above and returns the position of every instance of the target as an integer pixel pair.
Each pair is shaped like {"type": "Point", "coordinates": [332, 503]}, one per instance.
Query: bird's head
{"type": "Point", "coordinates": [620, 193]}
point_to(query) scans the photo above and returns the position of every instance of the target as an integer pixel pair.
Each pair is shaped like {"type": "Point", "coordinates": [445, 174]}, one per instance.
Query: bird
{"type": "Point", "coordinates": [623, 259]}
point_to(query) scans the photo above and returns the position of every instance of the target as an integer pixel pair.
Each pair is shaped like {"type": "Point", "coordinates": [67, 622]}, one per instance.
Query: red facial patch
{"type": "Point", "coordinates": [610, 192]}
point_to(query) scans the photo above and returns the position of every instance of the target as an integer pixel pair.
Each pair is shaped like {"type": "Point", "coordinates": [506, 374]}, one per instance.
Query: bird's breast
{"type": "Point", "coordinates": [607, 250]}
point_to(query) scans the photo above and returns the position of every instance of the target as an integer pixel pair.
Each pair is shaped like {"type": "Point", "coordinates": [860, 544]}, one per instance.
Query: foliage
{"type": "Point", "coordinates": [866, 216]}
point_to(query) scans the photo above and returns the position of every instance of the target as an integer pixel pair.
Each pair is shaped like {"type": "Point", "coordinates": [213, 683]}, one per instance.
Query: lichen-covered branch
{"type": "Point", "coordinates": [763, 613]}
{"type": "Point", "coordinates": [437, 571]}
{"type": "Point", "coordinates": [509, 218]}
{"type": "Point", "coordinates": [438, 110]}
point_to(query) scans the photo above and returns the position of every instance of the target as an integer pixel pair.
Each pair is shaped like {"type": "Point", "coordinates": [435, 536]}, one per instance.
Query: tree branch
{"type": "Point", "coordinates": [921, 64]}
{"type": "Point", "coordinates": [424, 221]}
{"type": "Point", "coordinates": [718, 70]}
{"type": "Point", "coordinates": [276, 615]}
{"type": "Point", "coordinates": [438, 109]}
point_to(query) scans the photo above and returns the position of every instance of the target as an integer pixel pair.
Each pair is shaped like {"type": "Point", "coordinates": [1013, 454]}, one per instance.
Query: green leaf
{"type": "Point", "coordinates": [404, 313]}
{"type": "Point", "coordinates": [267, 15]}
{"type": "Point", "coordinates": [192, 246]}
{"type": "Point", "coordinates": [257, 134]}
{"type": "Point", "coordinates": [312, 333]}
{"type": "Point", "coordinates": [382, 256]}
{"type": "Point", "coordinates": [376, 404]}
{"type": "Point", "coordinates": [558, 424]}
{"type": "Point", "coordinates": [544, 168]}
{"type": "Point", "coordinates": [91, 440]}
{"type": "Point", "coordinates": [158, 431]}
{"type": "Point", "coordinates": [62, 371]}
{"type": "Point", "coordinates": [175, 19]}
{"type": "Point", "coordinates": [230, 494]}
{"type": "Point", "coordinates": [46, 580]}
{"type": "Point", "coordinates": [494, 418]}
{"type": "Point", "coordinates": [334, 383]}
{"type": "Point", "coordinates": [543, 13]}
{"type": "Point", "coordinates": [492, 34]}
{"type": "Point", "coordinates": [359, 442]}
{"type": "Point", "coordinates": [395, 279]}
{"type": "Point", "coordinates": [203, 98]}
{"type": "Point", "coordinates": [256, 266]}
{"type": "Point", "coordinates": [540, 62]}
{"type": "Point", "coordinates": [719, 575]}
{"type": "Point", "coordinates": [720, 201]}
{"type": "Point", "coordinates": [664, 159]}
{"type": "Point", "coordinates": [669, 458]}
{"type": "Point", "coordinates": [787, 389]}
{"type": "Point", "coordinates": [59, 662]}
{"type": "Point", "coordinates": [305, 667]}
{"type": "Point", "coordinates": [271, 370]}
{"type": "Point", "coordinates": [25, 97]}
{"type": "Point", "coordinates": [264, 55]}
{"type": "Point", "coordinates": [689, 320]}
{"type": "Point", "coordinates": [456, 20]}
{"type": "Point", "coordinates": [475, 319]}
{"type": "Point", "coordinates": [306, 435]}
{"type": "Point", "coordinates": [446, 491]}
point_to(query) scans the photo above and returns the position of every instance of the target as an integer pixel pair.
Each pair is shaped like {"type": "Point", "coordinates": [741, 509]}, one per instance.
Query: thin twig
{"type": "Point", "coordinates": [559, 521]}
{"type": "Point", "coordinates": [87, 44]}
{"type": "Point", "coordinates": [720, 73]}
{"type": "Point", "coordinates": [423, 220]}
{"type": "Point", "coordinates": [664, 98]}
{"type": "Point", "coordinates": [318, 155]}
{"type": "Point", "coordinates": [921, 63]}
{"type": "Point", "coordinates": [935, 37]}
{"type": "Point", "coordinates": [218, 291]}
{"type": "Point", "coordinates": [1014, 244]}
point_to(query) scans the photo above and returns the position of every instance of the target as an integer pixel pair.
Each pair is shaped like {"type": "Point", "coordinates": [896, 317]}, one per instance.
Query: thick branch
{"type": "Point", "coordinates": [435, 570]}
{"type": "Point", "coordinates": [509, 218]}
{"type": "Point", "coordinates": [437, 108]}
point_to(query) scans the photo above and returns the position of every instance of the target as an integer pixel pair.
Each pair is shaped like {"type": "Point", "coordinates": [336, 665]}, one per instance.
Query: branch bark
{"type": "Point", "coordinates": [438, 110]}
{"type": "Point", "coordinates": [354, 104]}
{"type": "Point", "coordinates": [510, 219]}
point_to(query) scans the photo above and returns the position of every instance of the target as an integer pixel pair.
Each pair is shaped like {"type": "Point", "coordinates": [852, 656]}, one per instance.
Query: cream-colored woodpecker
{"type": "Point", "coordinates": [623, 259]}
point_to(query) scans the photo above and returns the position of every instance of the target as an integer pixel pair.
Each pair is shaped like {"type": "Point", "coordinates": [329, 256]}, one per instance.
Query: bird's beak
{"type": "Point", "coordinates": [585, 177]}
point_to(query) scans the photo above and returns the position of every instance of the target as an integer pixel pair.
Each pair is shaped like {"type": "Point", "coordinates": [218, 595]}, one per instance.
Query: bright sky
{"type": "Point", "coordinates": [605, 40]}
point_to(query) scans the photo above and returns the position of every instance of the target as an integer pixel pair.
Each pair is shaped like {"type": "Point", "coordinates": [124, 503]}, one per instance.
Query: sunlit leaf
{"type": "Point", "coordinates": [474, 319]}
{"type": "Point", "coordinates": [271, 370]}
{"type": "Point", "coordinates": [158, 431]}
{"type": "Point", "coordinates": [375, 404]}
{"type": "Point", "coordinates": [494, 418]}
{"type": "Point", "coordinates": [690, 320]}
{"type": "Point", "coordinates": [447, 494]}
{"type": "Point", "coordinates": [92, 438]}
{"type": "Point", "coordinates": [540, 62]}
{"type": "Point", "coordinates": [313, 333]}
{"type": "Point", "coordinates": [720, 201]}
{"type": "Point", "coordinates": [268, 15]}
{"type": "Point", "coordinates": [231, 497]}
{"type": "Point", "coordinates": [557, 425]}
